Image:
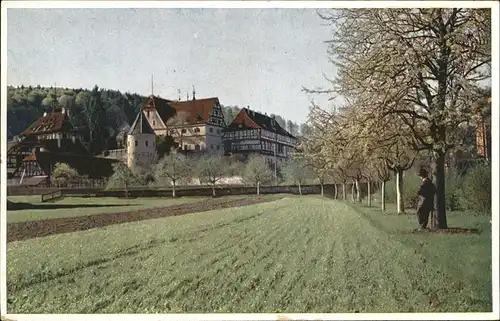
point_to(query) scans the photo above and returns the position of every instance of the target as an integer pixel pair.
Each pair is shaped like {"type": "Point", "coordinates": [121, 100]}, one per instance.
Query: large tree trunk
{"type": "Point", "coordinates": [213, 189]}
{"type": "Point", "coordinates": [439, 217]}
{"type": "Point", "coordinates": [369, 194]}
{"type": "Point", "coordinates": [322, 193]}
{"type": "Point", "coordinates": [173, 188]}
{"type": "Point", "coordinates": [382, 190]}
{"type": "Point", "coordinates": [399, 191]}
{"type": "Point", "coordinates": [300, 189]}
{"type": "Point", "coordinates": [353, 186]}
{"type": "Point", "coordinates": [344, 192]}
{"type": "Point", "coordinates": [335, 192]}
{"type": "Point", "coordinates": [258, 188]}
{"type": "Point", "coordinates": [358, 191]}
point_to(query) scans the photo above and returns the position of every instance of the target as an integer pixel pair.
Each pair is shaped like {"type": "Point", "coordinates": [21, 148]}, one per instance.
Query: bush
{"type": "Point", "coordinates": [63, 174]}
{"type": "Point", "coordinates": [476, 189]}
{"type": "Point", "coordinates": [453, 185]}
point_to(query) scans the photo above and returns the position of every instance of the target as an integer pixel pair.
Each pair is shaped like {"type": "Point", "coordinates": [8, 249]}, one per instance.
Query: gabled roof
{"type": "Point", "coordinates": [196, 110]}
{"type": "Point", "coordinates": [161, 105]}
{"type": "Point", "coordinates": [250, 119]}
{"type": "Point", "coordinates": [53, 122]}
{"type": "Point", "coordinates": [140, 125]}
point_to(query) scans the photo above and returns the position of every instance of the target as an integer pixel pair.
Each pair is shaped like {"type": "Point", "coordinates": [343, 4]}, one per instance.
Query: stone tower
{"type": "Point", "coordinates": [141, 143]}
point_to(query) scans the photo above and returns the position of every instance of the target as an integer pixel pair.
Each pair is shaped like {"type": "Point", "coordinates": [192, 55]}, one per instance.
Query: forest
{"type": "Point", "coordinates": [98, 113]}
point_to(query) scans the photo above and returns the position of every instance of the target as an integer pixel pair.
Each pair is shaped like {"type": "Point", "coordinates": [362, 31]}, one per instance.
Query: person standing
{"type": "Point", "coordinates": [425, 199]}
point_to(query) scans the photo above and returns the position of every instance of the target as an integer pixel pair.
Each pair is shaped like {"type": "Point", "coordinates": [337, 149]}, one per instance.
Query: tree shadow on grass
{"type": "Point", "coordinates": [17, 206]}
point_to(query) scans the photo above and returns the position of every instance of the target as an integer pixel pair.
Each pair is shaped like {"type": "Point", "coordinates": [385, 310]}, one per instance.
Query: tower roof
{"type": "Point", "coordinates": [140, 126]}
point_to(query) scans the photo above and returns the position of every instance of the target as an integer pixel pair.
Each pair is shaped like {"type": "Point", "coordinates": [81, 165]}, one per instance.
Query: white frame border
{"type": "Point", "coordinates": [495, 315]}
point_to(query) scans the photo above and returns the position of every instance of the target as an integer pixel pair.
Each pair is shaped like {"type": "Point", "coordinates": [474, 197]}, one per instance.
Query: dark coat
{"type": "Point", "coordinates": [426, 195]}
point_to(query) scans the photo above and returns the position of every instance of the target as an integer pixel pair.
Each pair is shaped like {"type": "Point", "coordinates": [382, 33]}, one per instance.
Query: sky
{"type": "Point", "coordinates": [246, 57]}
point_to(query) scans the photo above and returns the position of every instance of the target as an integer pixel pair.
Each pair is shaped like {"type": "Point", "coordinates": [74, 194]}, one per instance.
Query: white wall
{"type": "Point", "coordinates": [141, 154]}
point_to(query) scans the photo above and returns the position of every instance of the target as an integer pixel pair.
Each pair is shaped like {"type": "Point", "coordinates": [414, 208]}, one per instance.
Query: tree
{"type": "Point", "coordinates": [296, 172]}
{"type": "Point", "coordinates": [212, 167]}
{"type": "Point", "coordinates": [123, 177]}
{"type": "Point", "coordinates": [423, 65]}
{"type": "Point", "coordinates": [63, 174]}
{"type": "Point", "coordinates": [164, 144]}
{"type": "Point", "coordinates": [177, 125]}
{"type": "Point", "coordinates": [175, 167]}
{"type": "Point", "coordinates": [95, 116]}
{"type": "Point", "coordinates": [257, 171]}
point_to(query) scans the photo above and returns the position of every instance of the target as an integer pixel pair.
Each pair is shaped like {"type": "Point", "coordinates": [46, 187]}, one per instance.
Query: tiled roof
{"type": "Point", "coordinates": [196, 111]}
{"type": "Point", "coordinates": [140, 125]}
{"type": "Point", "coordinates": [53, 122]}
{"type": "Point", "coordinates": [252, 119]}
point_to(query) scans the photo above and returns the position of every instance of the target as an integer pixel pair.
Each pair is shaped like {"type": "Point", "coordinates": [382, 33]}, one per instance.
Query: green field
{"type": "Point", "coordinates": [124, 205]}
{"type": "Point", "coordinates": [297, 254]}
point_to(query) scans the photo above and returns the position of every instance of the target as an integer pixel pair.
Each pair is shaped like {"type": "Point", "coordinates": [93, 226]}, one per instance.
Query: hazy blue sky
{"type": "Point", "coordinates": [256, 57]}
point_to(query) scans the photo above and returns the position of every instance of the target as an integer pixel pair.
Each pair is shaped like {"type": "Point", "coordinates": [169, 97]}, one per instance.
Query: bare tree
{"type": "Point", "coordinates": [177, 126]}
{"type": "Point", "coordinates": [257, 171]}
{"type": "Point", "coordinates": [123, 177]}
{"type": "Point", "coordinates": [212, 167]}
{"type": "Point", "coordinates": [297, 172]}
{"type": "Point", "coordinates": [175, 167]}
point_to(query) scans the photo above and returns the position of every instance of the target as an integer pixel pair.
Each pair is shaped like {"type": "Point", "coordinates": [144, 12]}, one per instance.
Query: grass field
{"type": "Point", "coordinates": [297, 254]}
{"type": "Point", "coordinates": [101, 205]}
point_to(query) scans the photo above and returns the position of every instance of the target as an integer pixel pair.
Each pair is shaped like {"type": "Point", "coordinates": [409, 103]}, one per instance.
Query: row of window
{"type": "Point", "coordinates": [198, 147]}
{"type": "Point", "coordinates": [196, 130]}
{"type": "Point", "coordinates": [146, 143]}
{"type": "Point", "coordinates": [243, 134]}
{"type": "Point", "coordinates": [274, 136]}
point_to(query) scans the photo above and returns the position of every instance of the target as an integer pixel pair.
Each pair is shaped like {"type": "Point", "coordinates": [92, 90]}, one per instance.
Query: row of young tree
{"type": "Point", "coordinates": [409, 89]}
{"type": "Point", "coordinates": [176, 169]}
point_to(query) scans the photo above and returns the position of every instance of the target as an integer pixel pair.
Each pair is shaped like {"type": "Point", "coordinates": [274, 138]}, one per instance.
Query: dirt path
{"type": "Point", "coordinates": [26, 230]}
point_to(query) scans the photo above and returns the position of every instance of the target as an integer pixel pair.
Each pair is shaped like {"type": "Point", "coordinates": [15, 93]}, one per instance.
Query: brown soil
{"type": "Point", "coordinates": [450, 230]}
{"type": "Point", "coordinates": [27, 230]}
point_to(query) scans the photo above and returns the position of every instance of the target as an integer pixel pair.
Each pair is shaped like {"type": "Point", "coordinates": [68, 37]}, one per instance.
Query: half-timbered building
{"type": "Point", "coordinates": [196, 124]}
{"type": "Point", "coordinates": [254, 133]}
{"type": "Point", "coordinates": [50, 140]}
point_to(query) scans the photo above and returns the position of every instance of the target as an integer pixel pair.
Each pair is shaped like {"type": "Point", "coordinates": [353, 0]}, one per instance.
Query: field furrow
{"type": "Point", "coordinates": [296, 254]}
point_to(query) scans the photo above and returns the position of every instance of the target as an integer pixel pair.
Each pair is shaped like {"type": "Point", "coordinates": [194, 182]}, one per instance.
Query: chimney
{"type": "Point", "coordinates": [194, 94]}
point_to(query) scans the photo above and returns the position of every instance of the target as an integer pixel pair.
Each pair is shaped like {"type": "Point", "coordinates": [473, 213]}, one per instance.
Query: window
{"type": "Point", "coordinates": [136, 143]}
{"type": "Point", "coordinates": [211, 146]}
{"type": "Point", "coordinates": [172, 132]}
{"type": "Point", "coordinates": [154, 123]}
{"type": "Point", "coordinates": [218, 147]}
{"type": "Point", "coordinates": [146, 142]}
{"type": "Point", "coordinates": [197, 147]}
{"type": "Point", "coordinates": [183, 131]}
{"type": "Point", "coordinates": [196, 130]}
{"type": "Point", "coordinates": [218, 131]}
{"type": "Point", "coordinates": [211, 130]}
{"type": "Point", "coordinates": [148, 113]}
